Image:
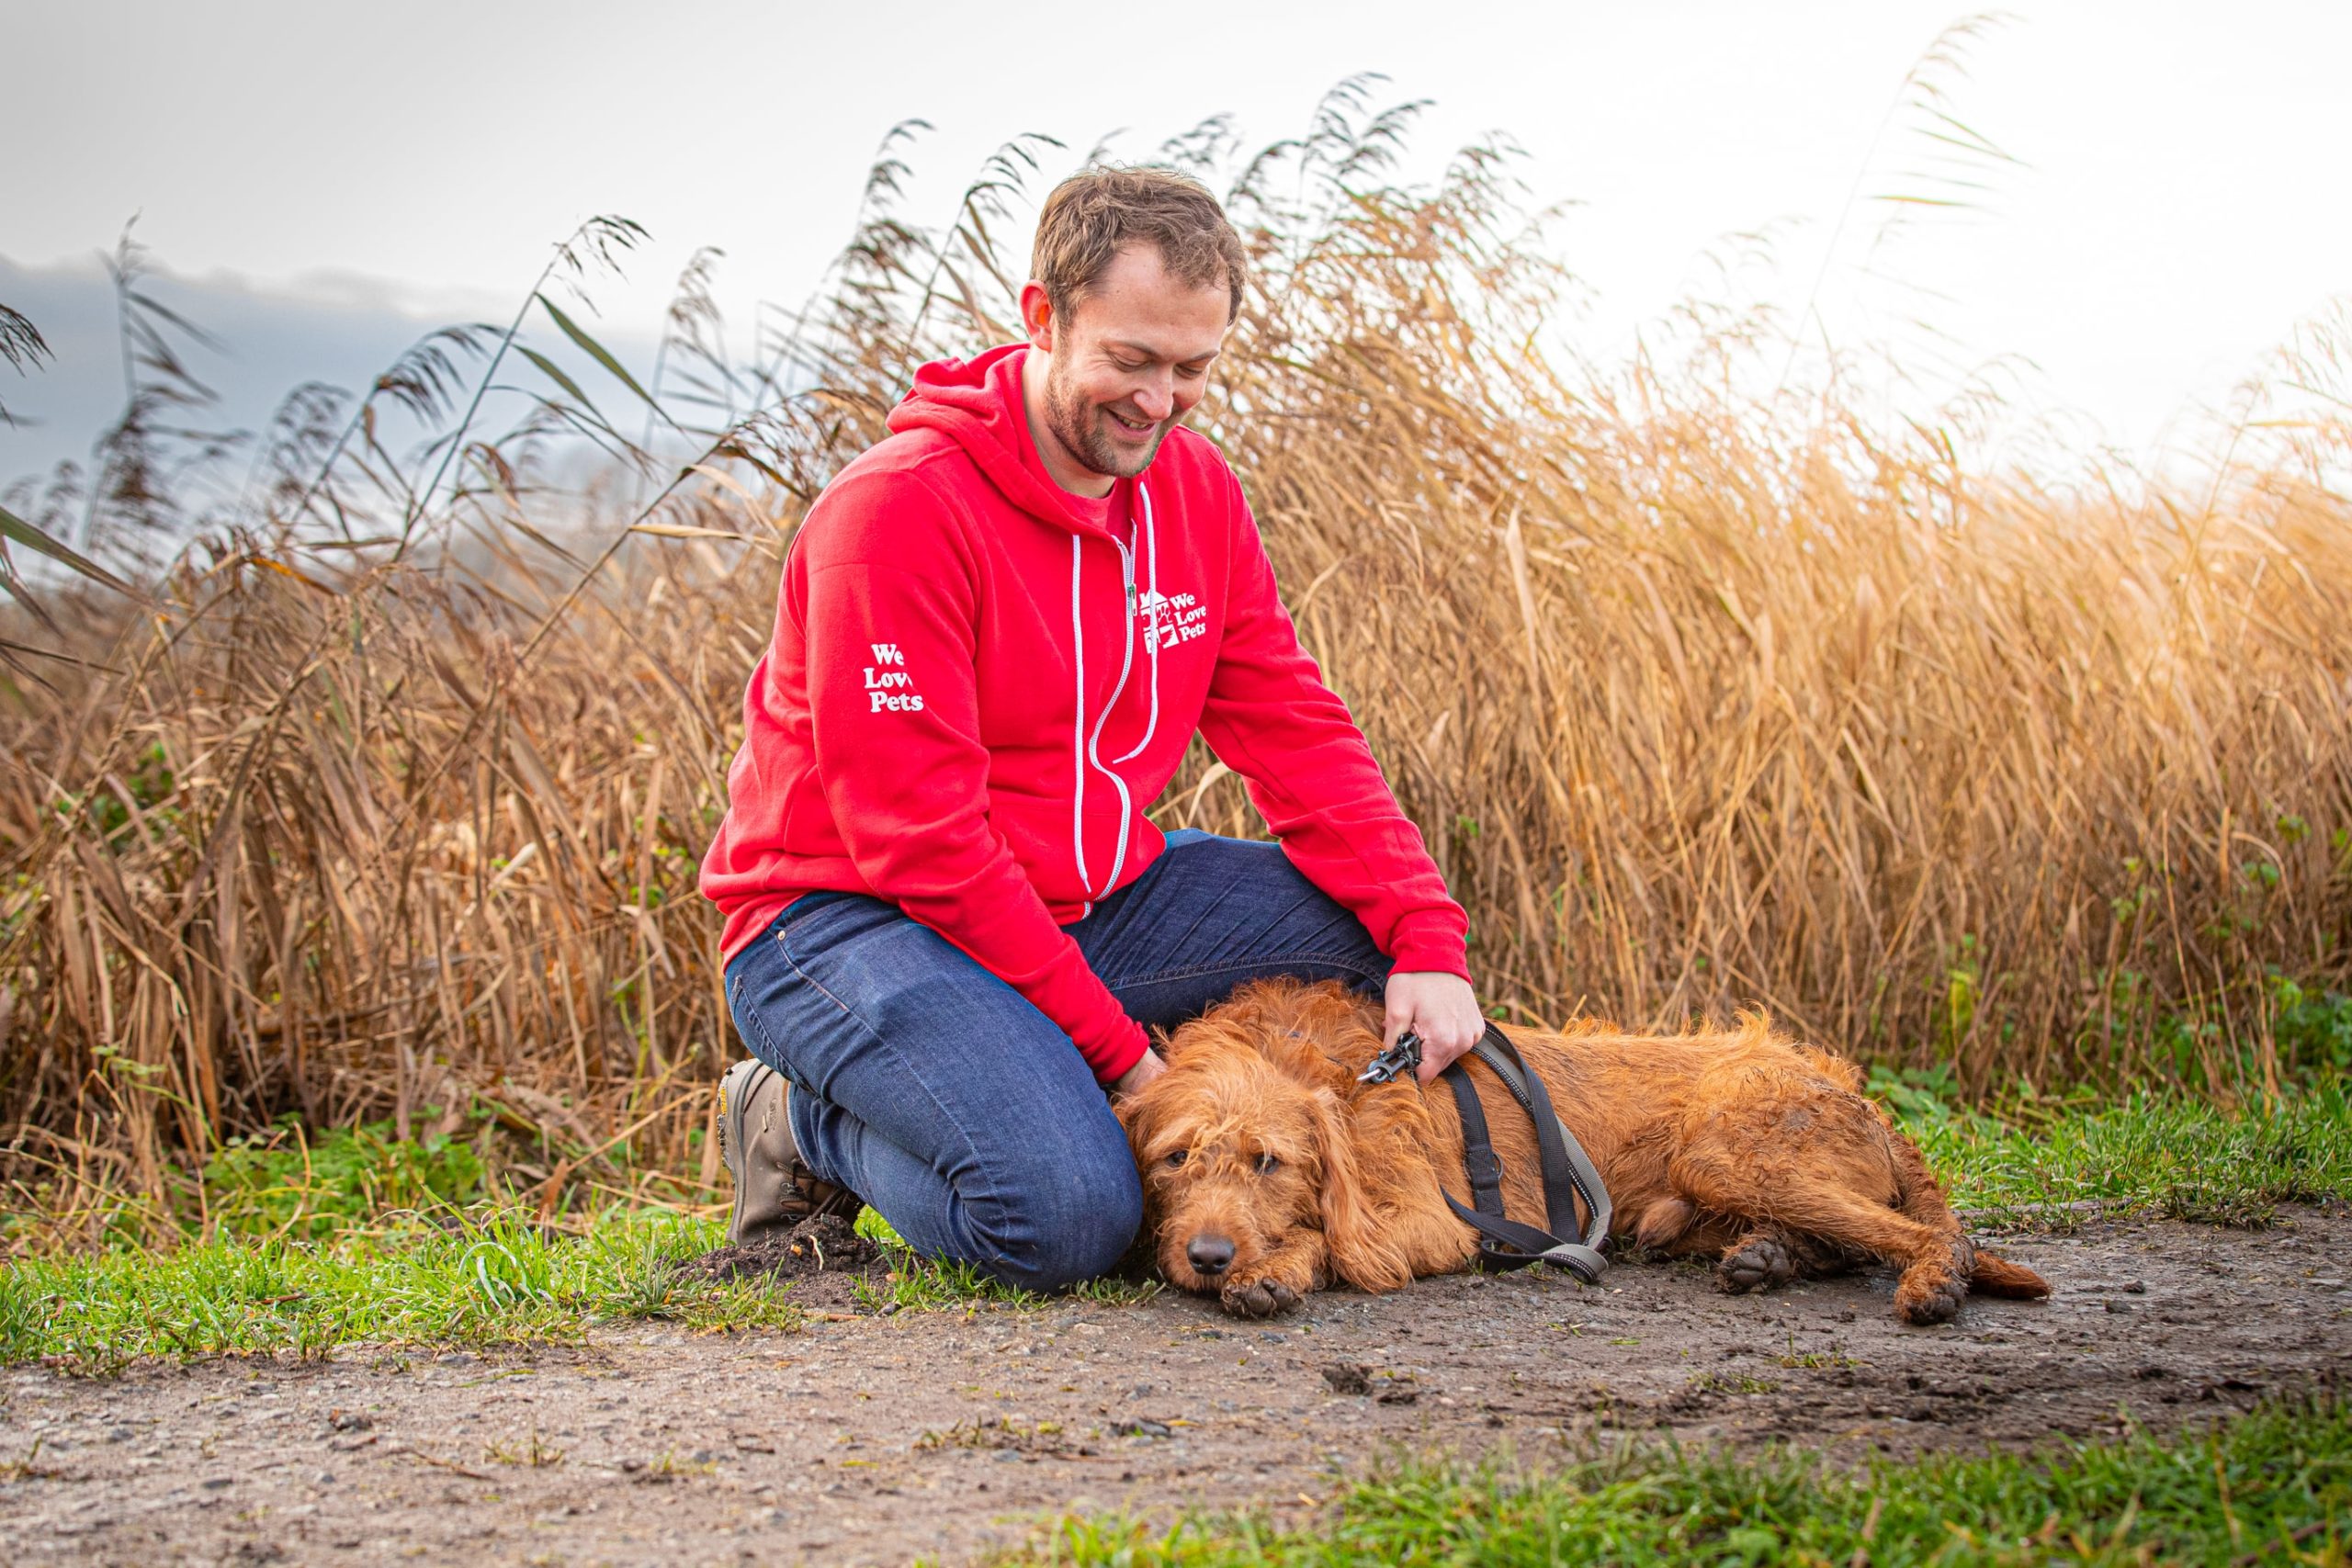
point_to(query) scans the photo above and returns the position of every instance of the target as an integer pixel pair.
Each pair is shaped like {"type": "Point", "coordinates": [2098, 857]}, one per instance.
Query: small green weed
{"type": "Point", "coordinates": [1712, 1382]}
{"type": "Point", "coordinates": [283, 1184]}
{"type": "Point", "coordinates": [534, 1454]}
{"type": "Point", "coordinates": [1117, 1291]}
{"type": "Point", "coordinates": [995, 1432]}
{"type": "Point", "coordinates": [1916, 1093]}
{"type": "Point", "coordinates": [1795, 1359]}
{"type": "Point", "coordinates": [2312, 1030]}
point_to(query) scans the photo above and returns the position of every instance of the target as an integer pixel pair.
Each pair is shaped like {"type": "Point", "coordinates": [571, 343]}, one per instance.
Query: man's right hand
{"type": "Point", "coordinates": [1147, 1067]}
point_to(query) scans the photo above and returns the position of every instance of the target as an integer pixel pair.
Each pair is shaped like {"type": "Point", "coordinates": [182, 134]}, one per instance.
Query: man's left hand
{"type": "Point", "coordinates": [1442, 1009]}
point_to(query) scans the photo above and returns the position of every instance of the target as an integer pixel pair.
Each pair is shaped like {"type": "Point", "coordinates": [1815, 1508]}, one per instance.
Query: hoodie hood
{"type": "Point", "coordinates": [978, 405]}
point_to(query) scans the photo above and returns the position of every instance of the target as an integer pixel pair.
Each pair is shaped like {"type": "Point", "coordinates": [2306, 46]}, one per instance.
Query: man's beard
{"type": "Point", "coordinates": [1077, 425]}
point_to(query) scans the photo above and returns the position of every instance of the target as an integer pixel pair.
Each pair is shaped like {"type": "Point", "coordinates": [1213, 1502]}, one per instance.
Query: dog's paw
{"type": "Point", "coordinates": [1261, 1298]}
{"type": "Point", "coordinates": [1758, 1263]}
{"type": "Point", "coordinates": [1930, 1304]}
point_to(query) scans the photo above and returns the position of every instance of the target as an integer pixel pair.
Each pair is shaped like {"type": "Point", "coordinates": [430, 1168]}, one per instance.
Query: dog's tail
{"type": "Point", "coordinates": [1999, 1277]}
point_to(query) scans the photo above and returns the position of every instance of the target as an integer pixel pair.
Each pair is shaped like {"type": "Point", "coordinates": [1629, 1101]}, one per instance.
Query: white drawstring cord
{"type": "Point", "coordinates": [1158, 607]}
{"type": "Point", "coordinates": [1085, 746]}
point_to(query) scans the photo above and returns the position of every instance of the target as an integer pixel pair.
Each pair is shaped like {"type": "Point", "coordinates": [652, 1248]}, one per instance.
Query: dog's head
{"type": "Point", "coordinates": [1244, 1146]}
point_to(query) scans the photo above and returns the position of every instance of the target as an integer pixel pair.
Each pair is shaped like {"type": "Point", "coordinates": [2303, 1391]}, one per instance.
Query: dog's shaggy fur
{"type": "Point", "coordinates": [1269, 1171]}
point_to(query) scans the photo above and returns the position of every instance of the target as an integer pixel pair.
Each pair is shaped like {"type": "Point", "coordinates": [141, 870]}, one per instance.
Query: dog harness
{"type": "Point", "coordinates": [1568, 1172]}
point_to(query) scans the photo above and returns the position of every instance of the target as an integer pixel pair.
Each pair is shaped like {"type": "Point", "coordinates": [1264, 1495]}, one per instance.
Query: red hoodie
{"type": "Point", "coordinates": [976, 688]}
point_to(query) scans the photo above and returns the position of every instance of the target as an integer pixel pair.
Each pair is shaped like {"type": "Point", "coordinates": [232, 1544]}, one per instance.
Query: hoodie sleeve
{"type": "Point", "coordinates": [888, 614]}
{"type": "Point", "coordinates": [1270, 718]}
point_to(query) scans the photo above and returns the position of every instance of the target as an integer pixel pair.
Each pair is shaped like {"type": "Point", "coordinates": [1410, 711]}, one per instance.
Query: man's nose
{"type": "Point", "coordinates": [1154, 400]}
{"type": "Point", "coordinates": [1210, 1254]}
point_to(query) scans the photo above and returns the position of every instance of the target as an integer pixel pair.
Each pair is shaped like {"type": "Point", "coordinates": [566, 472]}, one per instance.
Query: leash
{"type": "Point", "coordinates": [1568, 1172]}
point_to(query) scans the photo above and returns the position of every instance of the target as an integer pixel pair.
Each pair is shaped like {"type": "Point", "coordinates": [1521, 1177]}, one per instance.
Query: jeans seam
{"type": "Point", "coordinates": [971, 1143]}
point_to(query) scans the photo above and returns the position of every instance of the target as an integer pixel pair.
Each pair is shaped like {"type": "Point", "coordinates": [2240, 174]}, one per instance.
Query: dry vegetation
{"type": "Point", "coordinates": [391, 798]}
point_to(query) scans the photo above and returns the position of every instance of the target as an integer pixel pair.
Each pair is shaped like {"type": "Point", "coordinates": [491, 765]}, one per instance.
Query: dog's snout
{"type": "Point", "coordinates": [1210, 1254]}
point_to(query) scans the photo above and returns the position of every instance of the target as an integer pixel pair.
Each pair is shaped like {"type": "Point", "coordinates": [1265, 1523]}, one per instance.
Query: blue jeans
{"type": "Point", "coordinates": [933, 1089]}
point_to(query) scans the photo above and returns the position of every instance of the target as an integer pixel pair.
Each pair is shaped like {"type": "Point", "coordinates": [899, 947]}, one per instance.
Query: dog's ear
{"type": "Point", "coordinates": [1360, 1255]}
{"type": "Point", "coordinates": [1136, 1115]}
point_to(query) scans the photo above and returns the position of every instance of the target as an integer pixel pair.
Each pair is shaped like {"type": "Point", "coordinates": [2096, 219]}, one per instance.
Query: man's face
{"type": "Point", "coordinates": [1128, 360]}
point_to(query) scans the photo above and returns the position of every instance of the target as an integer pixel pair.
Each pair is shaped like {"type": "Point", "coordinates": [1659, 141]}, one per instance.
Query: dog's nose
{"type": "Point", "coordinates": [1210, 1254]}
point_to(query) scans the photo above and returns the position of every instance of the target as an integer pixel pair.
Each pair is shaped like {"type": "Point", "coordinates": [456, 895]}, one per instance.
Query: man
{"type": "Point", "coordinates": [948, 921]}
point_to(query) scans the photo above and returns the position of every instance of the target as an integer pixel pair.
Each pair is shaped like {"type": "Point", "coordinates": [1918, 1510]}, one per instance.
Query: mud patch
{"type": "Point", "coordinates": [822, 1259]}
{"type": "Point", "coordinates": [946, 1433]}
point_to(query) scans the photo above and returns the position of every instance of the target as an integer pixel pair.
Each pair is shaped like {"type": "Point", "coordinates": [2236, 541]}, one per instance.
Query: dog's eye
{"type": "Point", "coordinates": [1267, 1164]}
{"type": "Point", "coordinates": [1176, 1159]}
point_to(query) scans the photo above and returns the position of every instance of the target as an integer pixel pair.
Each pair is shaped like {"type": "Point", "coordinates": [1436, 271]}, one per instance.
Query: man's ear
{"type": "Point", "coordinates": [1358, 1253]}
{"type": "Point", "coordinates": [1037, 318]}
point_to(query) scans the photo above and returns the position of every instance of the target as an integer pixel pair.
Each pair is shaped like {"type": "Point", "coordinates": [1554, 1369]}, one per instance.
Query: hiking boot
{"type": "Point", "coordinates": [773, 1191]}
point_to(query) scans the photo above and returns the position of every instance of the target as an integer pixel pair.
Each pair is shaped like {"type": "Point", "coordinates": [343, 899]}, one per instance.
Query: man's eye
{"type": "Point", "coordinates": [1267, 1164]}
{"type": "Point", "coordinates": [1176, 1159]}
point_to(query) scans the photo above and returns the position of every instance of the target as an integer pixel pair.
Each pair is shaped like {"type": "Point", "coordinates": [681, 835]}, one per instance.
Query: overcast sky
{"type": "Point", "coordinates": [320, 181]}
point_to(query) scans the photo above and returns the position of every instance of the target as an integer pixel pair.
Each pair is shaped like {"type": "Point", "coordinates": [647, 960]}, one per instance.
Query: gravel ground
{"type": "Point", "coordinates": [946, 1433]}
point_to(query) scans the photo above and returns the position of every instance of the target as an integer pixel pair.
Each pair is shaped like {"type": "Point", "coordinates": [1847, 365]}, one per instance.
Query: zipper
{"type": "Point", "coordinates": [1150, 623]}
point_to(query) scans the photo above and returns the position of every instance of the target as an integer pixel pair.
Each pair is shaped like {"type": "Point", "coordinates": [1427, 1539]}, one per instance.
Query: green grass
{"type": "Point", "coordinates": [2273, 1487]}
{"type": "Point", "coordinates": [312, 1268]}
{"type": "Point", "coordinates": [920, 1284]}
{"type": "Point", "coordinates": [2159, 1155]}
{"type": "Point", "coordinates": [491, 1281]}
{"type": "Point", "coordinates": [479, 1278]}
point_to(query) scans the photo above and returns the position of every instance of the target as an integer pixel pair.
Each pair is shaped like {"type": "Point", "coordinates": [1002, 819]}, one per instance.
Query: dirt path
{"type": "Point", "coordinates": [940, 1434]}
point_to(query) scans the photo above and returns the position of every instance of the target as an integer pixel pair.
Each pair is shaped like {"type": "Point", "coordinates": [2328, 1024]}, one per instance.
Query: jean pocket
{"type": "Point", "coordinates": [801, 919]}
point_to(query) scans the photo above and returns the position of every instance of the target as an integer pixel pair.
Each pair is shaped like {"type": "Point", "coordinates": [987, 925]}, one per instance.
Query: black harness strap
{"type": "Point", "coordinates": [1566, 1164]}
{"type": "Point", "coordinates": [1479, 1160]}
{"type": "Point", "coordinates": [1568, 1174]}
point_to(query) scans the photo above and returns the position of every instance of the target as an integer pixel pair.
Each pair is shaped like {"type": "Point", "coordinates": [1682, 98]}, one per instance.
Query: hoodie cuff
{"type": "Point", "coordinates": [1121, 1054]}
{"type": "Point", "coordinates": [1440, 952]}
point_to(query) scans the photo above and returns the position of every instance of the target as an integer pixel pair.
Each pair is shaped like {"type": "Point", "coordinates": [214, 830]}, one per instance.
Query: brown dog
{"type": "Point", "coordinates": [1269, 1171]}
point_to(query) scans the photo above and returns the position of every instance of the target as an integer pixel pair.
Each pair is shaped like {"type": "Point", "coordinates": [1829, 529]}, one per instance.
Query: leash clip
{"type": "Point", "coordinates": [1402, 1057]}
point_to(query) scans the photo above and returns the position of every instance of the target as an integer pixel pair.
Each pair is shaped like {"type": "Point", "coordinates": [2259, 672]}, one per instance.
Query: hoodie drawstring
{"type": "Point", "coordinates": [1087, 748]}
{"type": "Point", "coordinates": [1154, 605]}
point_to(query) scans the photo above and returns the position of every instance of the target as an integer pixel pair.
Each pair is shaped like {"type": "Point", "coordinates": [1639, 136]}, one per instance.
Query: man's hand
{"type": "Point", "coordinates": [1147, 1067]}
{"type": "Point", "coordinates": [1442, 1009]}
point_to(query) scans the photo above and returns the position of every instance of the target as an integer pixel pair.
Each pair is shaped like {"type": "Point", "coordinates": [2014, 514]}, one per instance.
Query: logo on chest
{"type": "Point", "coordinates": [1173, 619]}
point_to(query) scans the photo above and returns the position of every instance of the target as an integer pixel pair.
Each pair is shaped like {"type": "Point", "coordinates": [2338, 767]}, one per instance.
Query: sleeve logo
{"type": "Point", "coordinates": [888, 687]}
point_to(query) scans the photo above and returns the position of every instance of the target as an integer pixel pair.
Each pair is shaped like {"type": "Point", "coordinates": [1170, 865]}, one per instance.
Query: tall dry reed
{"type": "Point", "coordinates": [392, 798]}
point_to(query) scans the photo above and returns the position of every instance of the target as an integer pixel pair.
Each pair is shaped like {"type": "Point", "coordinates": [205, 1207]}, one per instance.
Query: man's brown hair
{"type": "Point", "coordinates": [1096, 212]}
